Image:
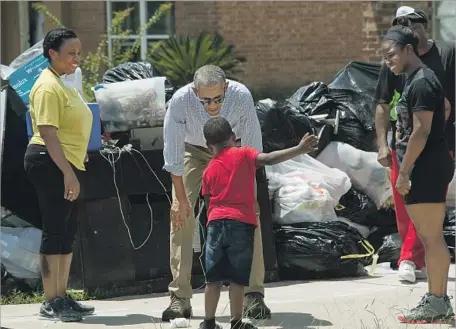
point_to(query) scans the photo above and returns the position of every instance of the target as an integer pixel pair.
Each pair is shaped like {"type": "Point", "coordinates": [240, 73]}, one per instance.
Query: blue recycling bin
{"type": "Point", "coordinates": [95, 134]}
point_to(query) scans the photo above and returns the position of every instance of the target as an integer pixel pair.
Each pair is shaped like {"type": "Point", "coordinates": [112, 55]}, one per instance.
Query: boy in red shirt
{"type": "Point", "coordinates": [229, 190]}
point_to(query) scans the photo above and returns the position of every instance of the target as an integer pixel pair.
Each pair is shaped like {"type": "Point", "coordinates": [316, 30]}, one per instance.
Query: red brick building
{"type": "Point", "coordinates": [286, 44]}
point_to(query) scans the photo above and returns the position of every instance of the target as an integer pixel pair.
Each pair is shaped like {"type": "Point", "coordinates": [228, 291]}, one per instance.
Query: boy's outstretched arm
{"type": "Point", "coordinates": [307, 144]}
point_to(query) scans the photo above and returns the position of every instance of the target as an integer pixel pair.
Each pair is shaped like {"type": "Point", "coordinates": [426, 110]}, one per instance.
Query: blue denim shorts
{"type": "Point", "coordinates": [229, 251]}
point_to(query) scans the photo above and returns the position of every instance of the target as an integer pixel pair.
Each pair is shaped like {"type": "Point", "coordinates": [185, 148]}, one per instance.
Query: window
{"type": "Point", "coordinates": [142, 11]}
{"type": "Point", "coordinates": [36, 23]}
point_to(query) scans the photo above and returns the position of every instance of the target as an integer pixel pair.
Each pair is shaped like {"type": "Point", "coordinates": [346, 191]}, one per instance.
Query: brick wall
{"type": "Point", "coordinates": [193, 17]}
{"type": "Point", "coordinates": [378, 17]}
{"type": "Point", "coordinates": [10, 46]}
{"type": "Point", "coordinates": [288, 44]}
{"type": "Point", "coordinates": [86, 18]}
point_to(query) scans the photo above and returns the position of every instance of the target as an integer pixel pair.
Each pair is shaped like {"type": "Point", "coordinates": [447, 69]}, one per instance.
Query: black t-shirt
{"type": "Point", "coordinates": [422, 92]}
{"type": "Point", "coordinates": [440, 59]}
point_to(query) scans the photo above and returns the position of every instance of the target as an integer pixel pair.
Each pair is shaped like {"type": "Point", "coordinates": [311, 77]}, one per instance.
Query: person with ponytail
{"type": "Point", "coordinates": [439, 56]}
{"type": "Point", "coordinates": [425, 165]}
{"type": "Point", "coordinates": [53, 161]}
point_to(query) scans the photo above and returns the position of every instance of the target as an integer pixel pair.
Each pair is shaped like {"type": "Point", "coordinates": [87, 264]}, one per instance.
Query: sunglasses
{"type": "Point", "coordinates": [216, 100]}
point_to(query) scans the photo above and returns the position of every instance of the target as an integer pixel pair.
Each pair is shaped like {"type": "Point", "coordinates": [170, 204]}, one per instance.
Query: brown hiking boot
{"type": "Point", "coordinates": [255, 308]}
{"type": "Point", "coordinates": [178, 308]}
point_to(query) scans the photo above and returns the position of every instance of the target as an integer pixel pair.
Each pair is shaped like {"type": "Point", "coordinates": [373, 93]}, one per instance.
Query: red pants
{"type": "Point", "coordinates": [412, 247]}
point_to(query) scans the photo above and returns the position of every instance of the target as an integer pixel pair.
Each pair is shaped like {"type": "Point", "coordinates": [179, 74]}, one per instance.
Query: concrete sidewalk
{"type": "Point", "coordinates": [364, 303]}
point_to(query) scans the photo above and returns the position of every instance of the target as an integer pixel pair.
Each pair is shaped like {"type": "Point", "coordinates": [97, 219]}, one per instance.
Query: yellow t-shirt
{"type": "Point", "coordinates": [53, 104]}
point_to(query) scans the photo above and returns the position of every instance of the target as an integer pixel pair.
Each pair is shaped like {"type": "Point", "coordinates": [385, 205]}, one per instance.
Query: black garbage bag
{"type": "Point", "coordinates": [129, 71]}
{"type": "Point", "coordinates": [281, 127]}
{"type": "Point", "coordinates": [19, 195]}
{"type": "Point", "coordinates": [354, 86]}
{"type": "Point", "coordinates": [313, 250]}
{"type": "Point", "coordinates": [352, 132]}
{"type": "Point", "coordinates": [386, 244]}
{"type": "Point", "coordinates": [449, 231]}
{"type": "Point", "coordinates": [135, 71]}
{"type": "Point", "coordinates": [390, 251]}
{"type": "Point", "coordinates": [316, 99]}
{"type": "Point", "coordinates": [386, 218]}
{"type": "Point", "coordinates": [11, 285]}
{"type": "Point", "coordinates": [358, 208]}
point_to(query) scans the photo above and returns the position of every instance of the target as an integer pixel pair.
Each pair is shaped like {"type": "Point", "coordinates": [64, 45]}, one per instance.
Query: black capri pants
{"type": "Point", "coordinates": [58, 214]}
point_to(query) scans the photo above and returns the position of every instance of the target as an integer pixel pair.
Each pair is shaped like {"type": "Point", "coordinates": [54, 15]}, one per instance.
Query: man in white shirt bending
{"type": "Point", "coordinates": [186, 156]}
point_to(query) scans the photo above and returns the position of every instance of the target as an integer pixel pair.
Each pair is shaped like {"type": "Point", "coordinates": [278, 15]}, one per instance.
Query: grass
{"type": "Point", "coordinates": [37, 297]}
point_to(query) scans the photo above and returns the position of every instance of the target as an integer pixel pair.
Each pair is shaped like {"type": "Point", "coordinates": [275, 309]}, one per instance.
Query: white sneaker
{"type": "Point", "coordinates": [421, 274]}
{"type": "Point", "coordinates": [407, 271]}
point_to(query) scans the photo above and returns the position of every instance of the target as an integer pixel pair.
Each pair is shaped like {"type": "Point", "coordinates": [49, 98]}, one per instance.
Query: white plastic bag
{"type": "Point", "coordinates": [20, 251]}
{"type": "Point", "coordinates": [74, 80]}
{"type": "Point", "coordinates": [451, 195]}
{"type": "Point", "coordinates": [303, 202]}
{"type": "Point", "coordinates": [366, 174]}
{"type": "Point", "coordinates": [305, 190]}
{"type": "Point", "coordinates": [31, 53]}
{"type": "Point", "coordinates": [304, 167]}
{"type": "Point", "coordinates": [132, 104]}
{"type": "Point", "coordinates": [5, 71]}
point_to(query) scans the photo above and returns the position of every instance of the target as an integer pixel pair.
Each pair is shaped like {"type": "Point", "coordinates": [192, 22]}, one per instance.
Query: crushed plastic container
{"type": "Point", "coordinates": [20, 251]}
{"type": "Point", "coordinates": [131, 104]}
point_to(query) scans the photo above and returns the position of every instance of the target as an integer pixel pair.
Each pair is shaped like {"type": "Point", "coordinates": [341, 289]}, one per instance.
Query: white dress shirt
{"type": "Point", "coordinates": [185, 119]}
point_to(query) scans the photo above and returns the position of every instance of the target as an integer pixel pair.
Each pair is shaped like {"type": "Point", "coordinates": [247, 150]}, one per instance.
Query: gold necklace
{"type": "Point", "coordinates": [53, 71]}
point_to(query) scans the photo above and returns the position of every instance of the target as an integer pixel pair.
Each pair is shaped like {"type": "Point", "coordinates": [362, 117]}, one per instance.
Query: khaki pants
{"type": "Point", "coordinates": [181, 241]}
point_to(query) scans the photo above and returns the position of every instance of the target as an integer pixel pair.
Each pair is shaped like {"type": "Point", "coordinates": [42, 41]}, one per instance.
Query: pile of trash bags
{"type": "Point", "coordinates": [333, 211]}
{"type": "Point", "coordinates": [314, 250]}
{"type": "Point", "coordinates": [348, 100]}
{"type": "Point", "coordinates": [305, 190]}
{"type": "Point", "coordinates": [20, 260]}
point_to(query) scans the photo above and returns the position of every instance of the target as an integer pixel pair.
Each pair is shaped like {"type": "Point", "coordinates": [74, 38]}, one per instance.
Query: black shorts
{"type": "Point", "coordinates": [229, 251]}
{"type": "Point", "coordinates": [430, 178]}
{"type": "Point", "coordinates": [58, 214]}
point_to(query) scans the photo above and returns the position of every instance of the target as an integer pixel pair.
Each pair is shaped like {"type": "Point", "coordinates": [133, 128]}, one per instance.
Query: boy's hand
{"type": "Point", "coordinates": [308, 143]}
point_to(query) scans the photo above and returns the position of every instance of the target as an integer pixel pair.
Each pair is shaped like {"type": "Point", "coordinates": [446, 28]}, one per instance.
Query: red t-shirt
{"type": "Point", "coordinates": [229, 181]}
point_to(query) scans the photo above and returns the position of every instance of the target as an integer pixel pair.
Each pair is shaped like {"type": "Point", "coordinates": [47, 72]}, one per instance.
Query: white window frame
{"type": "Point", "coordinates": [142, 21]}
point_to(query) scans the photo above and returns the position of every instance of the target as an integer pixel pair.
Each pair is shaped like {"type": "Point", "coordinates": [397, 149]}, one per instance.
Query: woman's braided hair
{"type": "Point", "coordinates": [55, 38]}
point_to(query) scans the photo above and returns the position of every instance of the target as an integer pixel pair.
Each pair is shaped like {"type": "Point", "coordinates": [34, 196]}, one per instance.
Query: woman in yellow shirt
{"type": "Point", "coordinates": [54, 159]}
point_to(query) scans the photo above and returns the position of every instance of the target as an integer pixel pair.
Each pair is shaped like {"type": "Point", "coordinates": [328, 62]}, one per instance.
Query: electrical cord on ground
{"type": "Point", "coordinates": [197, 218]}
{"type": "Point", "coordinates": [112, 159]}
{"type": "Point", "coordinates": [112, 156]}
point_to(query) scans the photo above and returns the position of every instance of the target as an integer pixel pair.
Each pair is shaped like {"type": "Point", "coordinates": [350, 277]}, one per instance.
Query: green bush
{"type": "Point", "coordinates": [179, 57]}
{"type": "Point", "coordinates": [94, 62]}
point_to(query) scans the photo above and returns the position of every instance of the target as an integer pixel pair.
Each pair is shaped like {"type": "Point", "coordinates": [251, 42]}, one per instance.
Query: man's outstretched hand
{"type": "Point", "coordinates": [179, 213]}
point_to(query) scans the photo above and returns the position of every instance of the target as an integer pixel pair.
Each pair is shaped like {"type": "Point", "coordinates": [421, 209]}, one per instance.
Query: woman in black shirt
{"type": "Point", "coordinates": [426, 167]}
